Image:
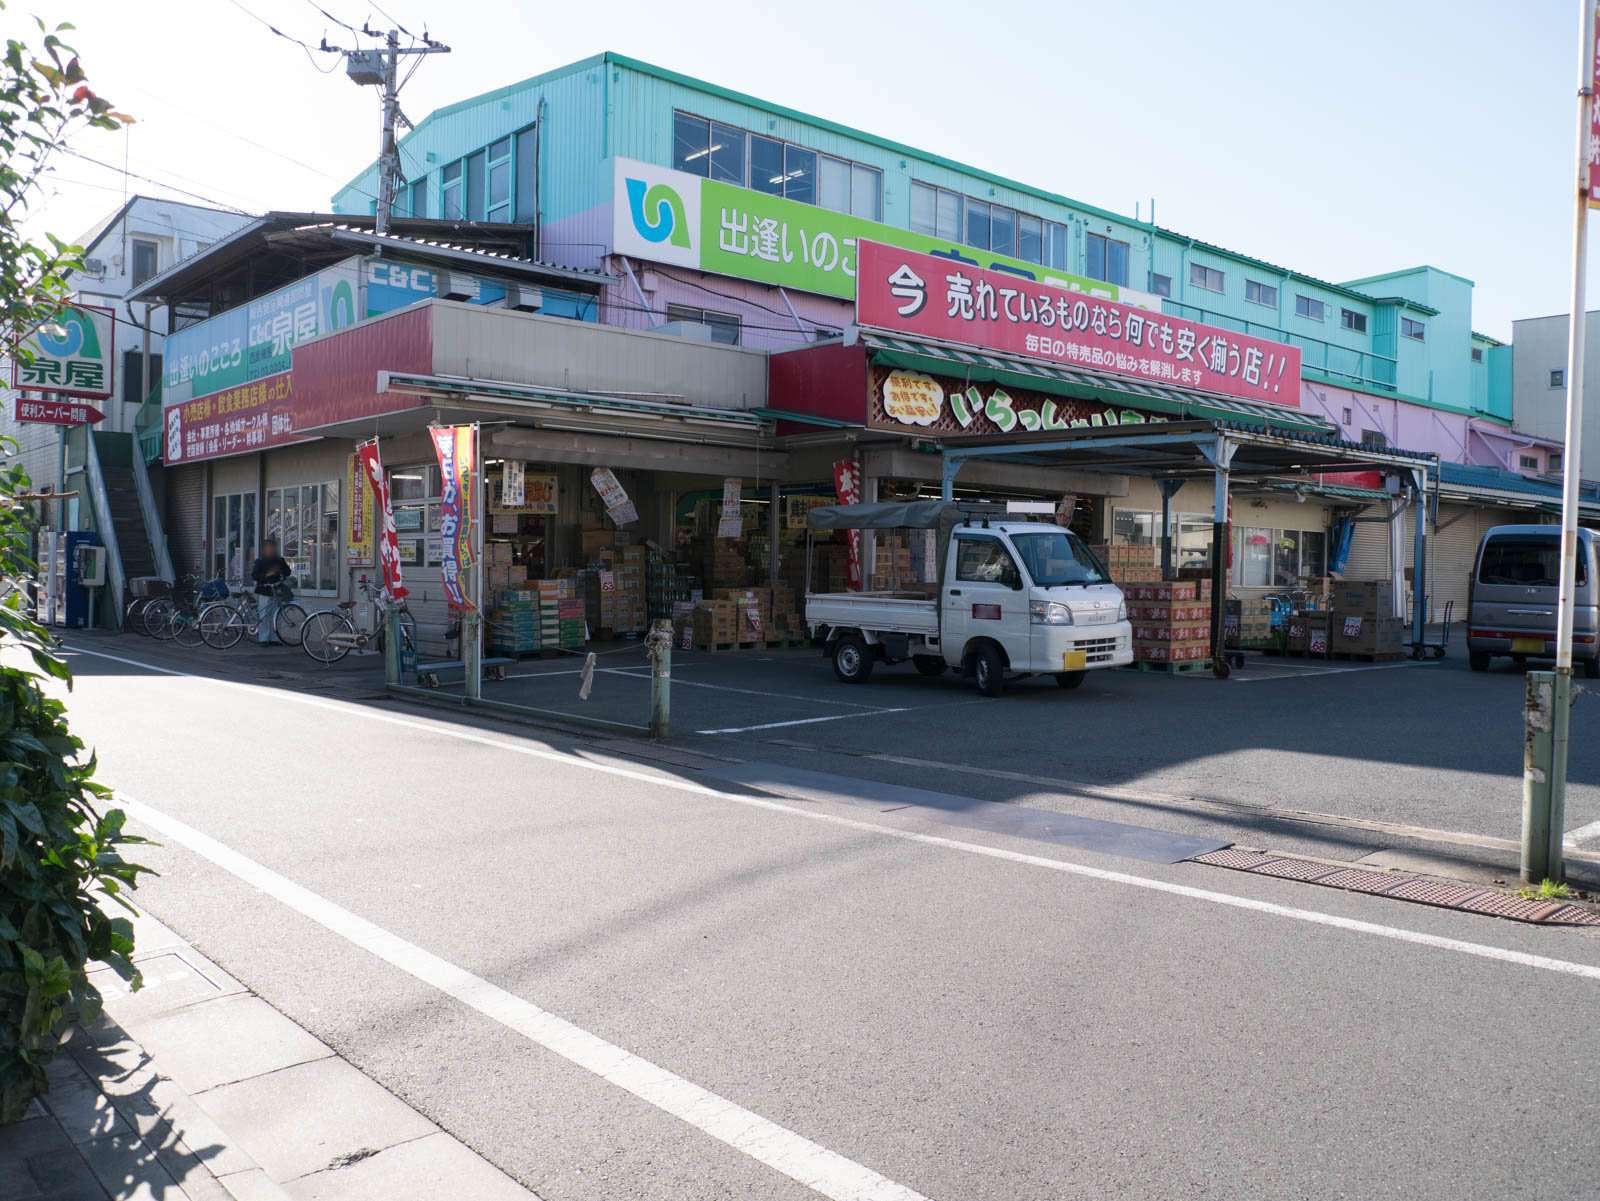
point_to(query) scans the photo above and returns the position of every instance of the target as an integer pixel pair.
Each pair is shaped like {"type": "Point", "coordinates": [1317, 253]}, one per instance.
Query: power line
{"type": "Point", "coordinates": [397, 24]}
{"type": "Point", "coordinates": [331, 17]}
{"type": "Point", "coordinates": [214, 203]}
{"type": "Point", "coordinates": [285, 36]}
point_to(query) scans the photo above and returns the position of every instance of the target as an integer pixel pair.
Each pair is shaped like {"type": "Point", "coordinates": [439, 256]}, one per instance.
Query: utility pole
{"type": "Point", "coordinates": [1545, 783]}
{"type": "Point", "coordinates": [381, 68]}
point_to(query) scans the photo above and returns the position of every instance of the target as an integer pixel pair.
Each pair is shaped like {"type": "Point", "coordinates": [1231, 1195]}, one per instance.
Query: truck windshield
{"type": "Point", "coordinates": [1532, 560]}
{"type": "Point", "coordinates": [1054, 556]}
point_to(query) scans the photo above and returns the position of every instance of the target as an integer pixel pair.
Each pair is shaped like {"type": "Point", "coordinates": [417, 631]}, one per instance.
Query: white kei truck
{"type": "Point", "coordinates": [1014, 597]}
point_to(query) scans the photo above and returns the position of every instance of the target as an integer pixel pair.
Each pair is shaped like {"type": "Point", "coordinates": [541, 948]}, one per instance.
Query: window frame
{"type": "Point", "coordinates": [1310, 308]}
{"type": "Point", "coordinates": [1205, 274]}
{"type": "Point", "coordinates": [1261, 291]}
{"type": "Point", "coordinates": [154, 248]}
{"type": "Point", "coordinates": [698, 162]}
{"type": "Point", "coordinates": [990, 540]}
{"type": "Point", "coordinates": [453, 191]}
{"type": "Point", "coordinates": [221, 542]}
{"type": "Point", "coordinates": [1353, 321]}
{"type": "Point", "coordinates": [1476, 354]}
{"type": "Point", "coordinates": [1558, 377]}
{"type": "Point", "coordinates": [276, 499]}
{"type": "Point", "coordinates": [1106, 243]}
{"type": "Point", "coordinates": [1161, 285]}
{"type": "Point", "coordinates": [711, 318]}
{"type": "Point", "coordinates": [1554, 462]}
{"type": "Point", "coordinates": [1411, 328]}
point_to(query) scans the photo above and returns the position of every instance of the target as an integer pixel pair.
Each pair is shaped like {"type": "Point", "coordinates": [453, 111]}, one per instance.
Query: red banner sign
{"type": "Point", "coordinates": [847, 483]}
{"type": "Point", "coordinates": [924, 296]}
{"type": "Point", "coordinates": [1592, 175]}
{"type": "Point", "coordinates": [250, 417]}
{"type": "Point", "coordinates": [388, 545]}
{"type": "Point", "coordinates": [58, 412]}
{"type": "Point", "coordinates": [456, 447]}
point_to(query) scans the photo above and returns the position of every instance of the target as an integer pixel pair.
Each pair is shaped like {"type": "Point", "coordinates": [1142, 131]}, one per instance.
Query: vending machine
{"type": "Point", "coordinates": [71, 568]}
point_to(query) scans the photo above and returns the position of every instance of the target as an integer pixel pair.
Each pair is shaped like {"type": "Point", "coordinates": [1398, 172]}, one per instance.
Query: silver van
{"type": "Point", "coordinates": [1514, 597]}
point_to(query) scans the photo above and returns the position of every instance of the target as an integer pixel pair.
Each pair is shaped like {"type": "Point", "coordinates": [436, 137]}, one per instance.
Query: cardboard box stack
{"type": "Point", "coordinates": [1363, 619]}
{"type": "Point", "coordinates": [614, 591]}
{"type": "Point", "coordinates": [543, 615]}
{"type": "Point", "coordinates": [891, 562]}
{"type": "Point", "coordinates": [1308, 633]}
{"type": "Point", "coordinates": [1171, 620]}
{"type": "Point", "coordinates": [715, 622]}
{"type": "Point", "coordinates": [1131, 564]}
{"type": "Point", "coordinates": [665, 586]}
{"type": "Point", "coordinates": [1252, 622]}
{"type": "Point", "coordinates": [500, 574]}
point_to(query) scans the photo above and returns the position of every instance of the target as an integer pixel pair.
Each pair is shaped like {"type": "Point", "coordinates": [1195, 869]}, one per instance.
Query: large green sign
{"type": "Point", "coordinates": [673, 217]}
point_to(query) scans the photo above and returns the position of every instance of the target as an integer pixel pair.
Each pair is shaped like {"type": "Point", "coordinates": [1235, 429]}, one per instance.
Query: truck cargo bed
{"type": "Point", "coordinates": [889, 612]}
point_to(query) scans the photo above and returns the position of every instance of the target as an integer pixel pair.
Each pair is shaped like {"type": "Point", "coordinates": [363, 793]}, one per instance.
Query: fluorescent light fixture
{"type": "Point", "coordinates": [702, 153]}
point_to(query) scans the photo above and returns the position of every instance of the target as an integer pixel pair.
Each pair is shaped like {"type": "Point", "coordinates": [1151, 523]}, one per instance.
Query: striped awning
{"type": "Point", "coordinates": [917, 355]}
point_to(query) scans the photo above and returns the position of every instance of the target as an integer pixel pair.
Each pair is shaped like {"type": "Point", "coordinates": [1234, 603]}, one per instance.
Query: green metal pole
{"type": "Point", "coordinates": [1541, 826]}
{"type": "Point", "coordinates": [659, 647]}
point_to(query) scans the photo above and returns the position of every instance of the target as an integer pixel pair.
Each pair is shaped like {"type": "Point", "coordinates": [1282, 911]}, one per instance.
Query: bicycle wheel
{"type": "Point", "coordinates": [185, 626]}
{"type": "Point", "coordinates": [156, 617]}
{"type": "Point", "coordinates": [221, 626]}
{"type": "Point", "coordinates": [133, 615]}
{"type": "Point", "coordinates": [291, 620]}
{"type": "Point", "coordinates": [325, 635]}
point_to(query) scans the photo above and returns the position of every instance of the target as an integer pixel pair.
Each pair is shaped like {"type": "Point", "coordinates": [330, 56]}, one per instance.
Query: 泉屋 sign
{"type": "Point", "coordinates": [928, 297]}
{"type": "Point", "coordinates": [673, 217]}
{"type": "Point", "coordinates": [944, 404]}
{"type": "Point", "coordinates": [73, 354]}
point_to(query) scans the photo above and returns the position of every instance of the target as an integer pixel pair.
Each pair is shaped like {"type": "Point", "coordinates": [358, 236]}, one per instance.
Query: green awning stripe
{"type": "Point", "coordinates": [1063, 381]}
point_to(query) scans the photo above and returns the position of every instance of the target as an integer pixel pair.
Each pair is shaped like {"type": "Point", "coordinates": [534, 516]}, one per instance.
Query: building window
{"type": "Point", "coordinates": [1558, 378]}
{"type": "Point", "coordinates": [304, 519]}
{"type": "Point", "coordinates": [527, 206]}
{"type": "Point", "coordinates": [450, 193]}
{"type": "Point", "coordinates": [724, 326]}
{"type": "Point", "coordinates": [233, 536]}
{"type": "Point", "coordinates": [945, 215]}
{"type": "Point", "coordinates": [1412, 329]}
{"type": "Point", "coordinates": [691, 144]}
{"type": "Point", "coordinates": [866, 192]}
{"type": "Point", "coordinates": [766, 165]}
{"type": "Point", "coordinates": [847, 187]}
{"type": "Point", "coordinates": [1346, 417]}
{"type": "Point", "coordinates": [1477, 354]}
{"type": "Point", "coordinates": [1553, 463]}
{"type": "Point", "coordinates": [133, 389]}
{"type": "Point", "coordinates": [1003, 231]}
{"type": "Point", "coordinates": [1107, 259]}
{"type": "Point", "coordinates": [977, 224]}
{"type": "Point", "coordinates": [1311, 310]}
{"type": "Point", "coordinates": [419, 197]}
{"type": "Point", "coordinates": [475, 181]}
{"type": "Point", "coordinates": [800, 174]}
{"type": "Point", "coordinates": [1257, 293]}
{"type": "Point", "coordinates": [1209, 278]}
{"type": "Point", "coordinates": [1055, 245]}
{"type": "Point", "coordinates": [1353, 321]}
{"type": "Point", "coordinates": [145, 258]}
{"type": "Point", "coordinates": [1374, 438]}
{"type": "Point", "coordinates": [1271, 558]}
{"type": "Point", "coordinates": [727, 154]}
{"type": "Point", "coordinates": [1528, 462]}
{"type": "Point", "coordinates": [499, 203]}
{"type": "Point", "coordinates": [1161, 285]}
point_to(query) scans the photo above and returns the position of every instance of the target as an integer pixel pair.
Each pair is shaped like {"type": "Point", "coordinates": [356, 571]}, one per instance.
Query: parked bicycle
{"type": "Point", "coordinates": [331, 634]}
{"type": "Point", "coordinates": [181, 622]}
{"type": "Point", "coordinates": [222, 623]}
{"type": "Point", "coordinates": [156, 617]}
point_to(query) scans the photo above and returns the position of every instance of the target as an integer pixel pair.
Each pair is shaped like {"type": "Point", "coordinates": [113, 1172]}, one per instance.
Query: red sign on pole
{"type": "Point", "coordinates": [58, 412]}
{"type": "Point", "coordinates": [923, 295]}
{"type": "Point", "coordinates": [1592, 157]}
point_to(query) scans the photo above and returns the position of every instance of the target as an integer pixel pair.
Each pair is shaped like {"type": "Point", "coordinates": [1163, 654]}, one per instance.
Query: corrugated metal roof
{"type": "Point", "coordinates": [1500, 480]}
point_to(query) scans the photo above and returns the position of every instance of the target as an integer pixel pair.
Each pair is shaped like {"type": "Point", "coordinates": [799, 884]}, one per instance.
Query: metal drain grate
{"type": "Point", "coordinates": [1404, 888]}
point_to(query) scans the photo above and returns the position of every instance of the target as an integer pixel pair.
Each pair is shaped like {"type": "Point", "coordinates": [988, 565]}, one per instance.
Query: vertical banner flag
{"type": "Point", "coordinates": [1592, 175]}
{"type": "Point", "coordinates": [512, 486]}
{"type": "Point", "coordinates": [731, 523]}
{"type": "Point", "coordinates": [455, 446]}
{"type": "Point", "coordinates": [382, 518]}
{"type": "Point", "coordinates": [358, 523]}
{"type": "Point", "coordinates": [618, 506]}
{"type": "Point", "coordinates": [847, 482]}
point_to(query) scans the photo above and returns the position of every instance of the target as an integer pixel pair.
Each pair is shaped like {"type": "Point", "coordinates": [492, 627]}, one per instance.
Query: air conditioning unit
{"type": "Point", "coordinates": [524, 298]}
{"type": "Point", "coordinates": [455, 286]}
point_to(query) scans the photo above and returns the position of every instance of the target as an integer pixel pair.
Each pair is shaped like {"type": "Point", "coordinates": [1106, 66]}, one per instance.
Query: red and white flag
{"type": "Point", "coordinates": [388, 545]}
{"type": "Point", "coordinates": [847, 483]}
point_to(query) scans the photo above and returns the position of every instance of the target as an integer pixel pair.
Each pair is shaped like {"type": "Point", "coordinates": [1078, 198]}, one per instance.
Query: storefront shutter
{"type": "Point", "coordinates": [1369, 549]}
{"type": "Point", "coordinates": [1456, 545]}
{"type": "Point", "coordinates": [186, 517]}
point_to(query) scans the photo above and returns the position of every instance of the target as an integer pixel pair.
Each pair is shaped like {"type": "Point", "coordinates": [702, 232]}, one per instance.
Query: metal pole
{"type": "Point", "coordinates": [387, 159]}
{"type": "Point", "coordinates": [1538, 731]}
{"type": "Point", "coordinates": [391, 644]}
{"type": "Point", "coordinates": [1219, 555]}
{"type": "Point", "coordinates": [472, 619]}
{"type": "Point", "coordinates": [1169, 489]}
{"type": "Point", "coordinates": [658, 645]}
{"type": "Point", "coordinates": [1553, 822]}
{"type": "Point", "coordinates": [1419, 559]}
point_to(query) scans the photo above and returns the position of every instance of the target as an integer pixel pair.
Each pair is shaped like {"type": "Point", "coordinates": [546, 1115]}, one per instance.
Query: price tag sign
{"type": "Point", "coordinates": [1352, 627]}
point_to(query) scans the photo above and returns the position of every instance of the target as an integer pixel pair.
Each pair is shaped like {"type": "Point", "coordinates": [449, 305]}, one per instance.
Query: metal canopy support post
{"type": "Point", "coordinates": [947, 477]}
{"type": "Point", "coordinates": [472, 619]}
{"type": "Point", "coordinates": [1419, 555]}
{"type": "Point", "coordinates": [772, 534]}
{"type": "Point", "coordinates": [1169, 489]}
{"type": "Point", "coordinates": [1221, 458]}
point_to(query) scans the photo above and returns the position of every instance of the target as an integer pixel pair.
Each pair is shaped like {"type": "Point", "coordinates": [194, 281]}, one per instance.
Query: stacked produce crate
{"type": "Point", "coordinates": [614, 589]}
{"type": "Point", "coordinates": [1130, 564]}
{"type": "Point", "coordinates": [1171, 622]}
{"type": "Point", "coordinates": [543, 615]}
{"type": "Point", "coordinates": [1364, 625]}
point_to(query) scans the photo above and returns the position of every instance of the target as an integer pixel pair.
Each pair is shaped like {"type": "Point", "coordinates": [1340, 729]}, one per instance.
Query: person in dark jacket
{"type": "Point", "coordinates": [268, 572]}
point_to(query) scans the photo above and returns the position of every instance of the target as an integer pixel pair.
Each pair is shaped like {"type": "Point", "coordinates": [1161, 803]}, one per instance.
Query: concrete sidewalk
{"type": "Point", "coordinates": [192, 1089]}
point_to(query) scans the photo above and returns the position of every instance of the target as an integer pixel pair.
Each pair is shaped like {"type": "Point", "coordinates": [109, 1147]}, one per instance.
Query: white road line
{"type": "Point", "coordinates": [643, 673]}
{"type": "Point", "coordinates": [1583, 834]}
{"type": "Point", "coordinates": [1311, 916]}
{"type": "Point", "coordinates": [780, 1148]}
{"type": "Point", "coordinates": [1326, 671]}
{"type": "Point", "coordinates": [803, 721]}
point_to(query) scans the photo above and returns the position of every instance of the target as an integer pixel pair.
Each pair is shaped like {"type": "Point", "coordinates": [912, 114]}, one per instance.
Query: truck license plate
{"type": "Point", "coordinates": [1074, 660]}
{"type": "Point", "coordinates": [1532, 646]}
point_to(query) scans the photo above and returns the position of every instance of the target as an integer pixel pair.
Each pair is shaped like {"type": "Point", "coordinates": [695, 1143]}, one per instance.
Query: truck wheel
{"type": "Point", "coordinates": [1070, 679]}
{"type": "Point", "coordinates": [930, 665]}
{"type": "Point", "coordinates": [852, 659]}
{"type": "Point", "coordinates": [1478, 660]}
{"type": "Point", "coordinates": [990, 671]}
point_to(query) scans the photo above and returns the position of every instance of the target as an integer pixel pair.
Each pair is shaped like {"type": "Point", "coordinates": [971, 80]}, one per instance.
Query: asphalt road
{"type": "Point", "coordinates": [963, 1014]}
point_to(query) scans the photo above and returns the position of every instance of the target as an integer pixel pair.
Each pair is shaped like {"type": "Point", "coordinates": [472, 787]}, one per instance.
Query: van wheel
{"type": "Point", "coordinates": [852, 659]}
{"type": "Point", "coordinates": [989, 669]}
{"type": "Point", "coordinates": [930, 665]}
{"type": "Point", "coordinates": [1591, 669]}
{"type": "Point", "coordinates": [1070, 679]}
{"type": "Point", "coordinates": [1478, 660]}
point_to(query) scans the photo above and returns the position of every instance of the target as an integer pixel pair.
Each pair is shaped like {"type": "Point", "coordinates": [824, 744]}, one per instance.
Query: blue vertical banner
{"type": "Point", "coordinates": [456, 448]}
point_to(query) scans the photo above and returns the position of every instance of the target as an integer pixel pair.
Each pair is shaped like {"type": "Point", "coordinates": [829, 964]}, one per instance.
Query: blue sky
{"type": "Point", "coordinates": [1341, 140]}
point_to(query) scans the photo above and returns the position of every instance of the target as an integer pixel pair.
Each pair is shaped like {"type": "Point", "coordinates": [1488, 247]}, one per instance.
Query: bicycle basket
{"type": "Point", "coordinates": [282, 592]}
{"type": "Point", "coordinates": [215, 590]}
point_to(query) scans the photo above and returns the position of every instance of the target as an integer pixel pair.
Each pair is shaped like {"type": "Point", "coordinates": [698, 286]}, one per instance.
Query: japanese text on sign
{"type": "Point", "coordinates": [923, 295]}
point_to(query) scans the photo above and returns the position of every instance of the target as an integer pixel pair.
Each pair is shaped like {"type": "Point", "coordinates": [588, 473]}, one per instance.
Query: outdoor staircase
{"type": "Point", "coordinates": [127, 520]}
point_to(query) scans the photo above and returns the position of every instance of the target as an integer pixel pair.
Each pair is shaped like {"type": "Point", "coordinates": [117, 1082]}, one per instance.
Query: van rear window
{"type": "Point", "coordinates": [1531, 561]}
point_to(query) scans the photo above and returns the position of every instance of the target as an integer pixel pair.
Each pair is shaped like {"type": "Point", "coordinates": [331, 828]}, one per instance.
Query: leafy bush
{"type": "Point", "coordinates": [57, 851]}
